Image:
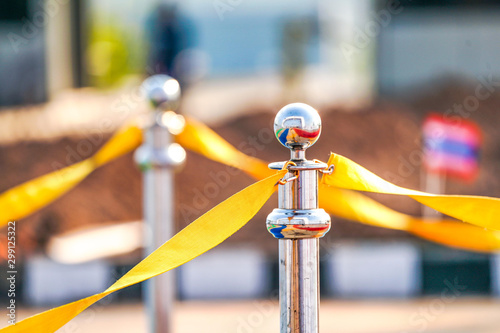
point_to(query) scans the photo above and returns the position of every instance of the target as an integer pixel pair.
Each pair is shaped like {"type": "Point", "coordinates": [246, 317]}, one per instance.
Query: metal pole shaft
{"type": "Point", "coordinates": [158, 208]}
{"type": "Point", "coordinates": [158, 157]}
{"type": "Point", "coordinates": [299, 285]}
{"type": "Point", "coordinates": [299, 260]}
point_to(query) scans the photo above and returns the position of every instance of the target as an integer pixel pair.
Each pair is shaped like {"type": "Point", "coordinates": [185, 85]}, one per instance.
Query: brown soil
{"type": "Point", "coordinates": [385, 138]}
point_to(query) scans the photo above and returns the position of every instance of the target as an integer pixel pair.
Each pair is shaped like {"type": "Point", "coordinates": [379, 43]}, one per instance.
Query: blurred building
{"type": "Point", "coordinates": [340, 52]}
{"type": "Point", "coordinates": [22, 54]}
{"type": "Point", "coordinates": [432, 39]}
{"type": "Point", "coordinates": [53, 45]}
{"type": "Point", "coordinates": [237, 48]}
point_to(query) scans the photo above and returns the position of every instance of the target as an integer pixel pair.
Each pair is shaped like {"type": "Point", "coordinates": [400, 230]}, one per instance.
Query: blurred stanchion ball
{"type": "Point", "coordinates": [162, 91]}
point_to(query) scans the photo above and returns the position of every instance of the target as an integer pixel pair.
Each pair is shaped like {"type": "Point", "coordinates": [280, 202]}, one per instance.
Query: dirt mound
{"type": "Point", "coordinates": [384, 138]}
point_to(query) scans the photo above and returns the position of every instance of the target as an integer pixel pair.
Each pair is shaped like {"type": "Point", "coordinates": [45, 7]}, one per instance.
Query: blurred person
{"type": "Point", "coordinates": [296, 36]}
{"type": "Point", "coordinates": [169, 36]}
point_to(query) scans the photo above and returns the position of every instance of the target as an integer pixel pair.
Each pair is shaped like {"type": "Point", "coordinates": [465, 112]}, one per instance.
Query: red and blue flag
{"type": "Point", "coordinates": [451, 146]}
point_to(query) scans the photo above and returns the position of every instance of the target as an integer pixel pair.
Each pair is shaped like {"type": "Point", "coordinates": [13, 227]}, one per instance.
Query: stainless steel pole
{"type": "Point", "coordinates": [298, 223]}
{"type": "Point", "coordinates": [157, 157]}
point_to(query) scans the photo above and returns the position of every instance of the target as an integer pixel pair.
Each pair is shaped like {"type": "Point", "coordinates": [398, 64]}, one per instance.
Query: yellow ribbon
{"type": "Point", "coordinates": [206, 232]}
{"type": "Point", "coordinates": [201, 139]}
{"type": "Point", "coordinates": [358, 207]}
{"type": "Point", "coordinates": [480, 211]}
{"type": "Point", "coordinates": [27, 198]}
{"type": "Point", "coordinates": [347, 204]}
{"type": "Point", "coordinates": [32, 195]}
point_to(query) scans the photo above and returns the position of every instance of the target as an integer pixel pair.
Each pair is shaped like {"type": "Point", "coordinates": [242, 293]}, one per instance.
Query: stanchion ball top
{"type": "Point", "coordinates": [162, 91]}
{"type": "Point", "coordinates": [297, 126]}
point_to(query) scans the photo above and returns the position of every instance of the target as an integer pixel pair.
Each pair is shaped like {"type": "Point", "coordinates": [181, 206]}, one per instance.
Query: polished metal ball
{"type": "Point", "coordinates": [162, 91]}
{"type": "Point", "coordinates": [297, 126]}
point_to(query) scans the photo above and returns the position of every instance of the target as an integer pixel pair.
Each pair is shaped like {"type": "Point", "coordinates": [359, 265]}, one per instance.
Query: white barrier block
{"type": "Point", "coordinates": [52, 283]}
{"type": "Point", "coordinates": [374, 270]}
{"type": "Point", "coordinates": [225, 273]}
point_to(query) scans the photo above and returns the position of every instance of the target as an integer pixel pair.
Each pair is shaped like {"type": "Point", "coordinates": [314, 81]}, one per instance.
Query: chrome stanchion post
{"type": "Point", "coordinates": [298, 223]}
{"type": "Point", "coordinates": [157, 158]}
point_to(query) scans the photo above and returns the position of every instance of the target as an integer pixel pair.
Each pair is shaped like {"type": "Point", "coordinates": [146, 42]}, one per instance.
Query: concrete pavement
{"type": "Point", "coordinates": [430, 315]}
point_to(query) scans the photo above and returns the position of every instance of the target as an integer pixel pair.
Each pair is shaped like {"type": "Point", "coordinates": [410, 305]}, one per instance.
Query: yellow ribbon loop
{"type": "Point", "coordinates": [33, 195]}
{"type": "Point", "coordinates": [203, 234]}
{"type": "Point", "coordinates": [480, 211]}
{"type": "Point", "coordinates": [124, 141]}
{"type": "Point", "coordinates": [456, 234]}
{"type": "Point", "coordinates": [344, 203]}
{"type": "Point", "coordinates": [202, 140]}
{"type": "Point", "coordinates": [358, 207]}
